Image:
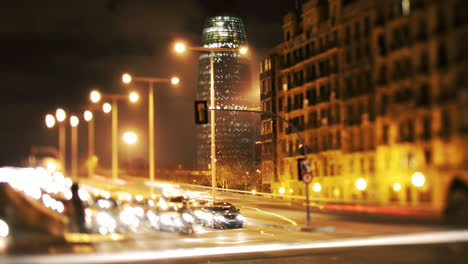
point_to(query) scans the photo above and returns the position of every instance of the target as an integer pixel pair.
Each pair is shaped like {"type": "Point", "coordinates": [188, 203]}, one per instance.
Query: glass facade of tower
{"type": "Point", "coordinates": [235, 133]}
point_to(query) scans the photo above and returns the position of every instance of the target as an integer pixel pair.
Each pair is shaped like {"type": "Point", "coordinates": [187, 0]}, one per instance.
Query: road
{"type": "Point", "coordinates": [272, 234]}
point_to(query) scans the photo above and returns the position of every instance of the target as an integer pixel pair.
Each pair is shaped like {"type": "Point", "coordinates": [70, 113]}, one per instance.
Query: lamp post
{"type": "Point", "coordinates": [61, 115]}
{"type": "Point", "coordinates": [130, 138]}
{"type": "Point", "coordinates": [88, 117]}
{"type": "Point", "coordinates": [181, 48]}
{"type": "Point", "coordinates": [127, 78]}
{"type": "Point", "coordinates": [74, 121]}
{"type": "Point", "coordinates": [95, 97]}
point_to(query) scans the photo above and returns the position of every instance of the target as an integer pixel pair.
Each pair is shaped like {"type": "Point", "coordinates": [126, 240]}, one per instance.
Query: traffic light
{"type": "Point", "coordinates": [300, 171]}
{"type": "Point", "coordinates": [201, 112]}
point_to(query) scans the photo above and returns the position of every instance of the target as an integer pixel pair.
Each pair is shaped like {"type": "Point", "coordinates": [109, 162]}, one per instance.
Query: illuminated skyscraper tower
{"type": "Point", "coordinates": [234, 131]}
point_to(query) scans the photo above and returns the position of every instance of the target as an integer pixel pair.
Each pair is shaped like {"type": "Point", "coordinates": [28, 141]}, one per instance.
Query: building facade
{"type": "Point", "coordinates": [235, 132]}
{"type": "Point", "coordinates": [378, 91]}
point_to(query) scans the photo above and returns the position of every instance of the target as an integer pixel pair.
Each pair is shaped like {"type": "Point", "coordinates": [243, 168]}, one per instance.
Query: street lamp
{"type": "Point", "coordinates": [181, 48]}
{"type": "Point", "coordinates": [127, 79]}
{"type": "Point", "coordinates": [88, 117]}
{"type": "Point", "coordinates": [130, 138]}
{"type": "Point", "coordinates": [95, 97]}
{"type": "Point", "coordinates": [61, 115]}
{"type": "Point", "coordinates": [50, 121]}
{"type": "Point", "coordinates": [74, 121]}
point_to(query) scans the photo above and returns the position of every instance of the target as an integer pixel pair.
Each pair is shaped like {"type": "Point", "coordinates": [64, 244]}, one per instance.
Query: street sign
{"type": "Point", "coordinates": [307, 178]}
{"type": "Point", "coordinates": [201, 112]}
{"type": "Point", "coordinates": [303, 168]}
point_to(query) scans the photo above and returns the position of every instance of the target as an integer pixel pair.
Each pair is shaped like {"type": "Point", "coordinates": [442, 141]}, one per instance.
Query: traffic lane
{"type": "Point", "coordinates": [205, 237]}
{"type": "Point", "coordinates": [452, 253]}
{"type": "Point", "coordinates": [436, 247]}
{"type": "Point", "coordinates": [268, 214]}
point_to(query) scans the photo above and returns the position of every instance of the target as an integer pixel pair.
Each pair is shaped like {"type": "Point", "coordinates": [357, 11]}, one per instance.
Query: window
{"type": "Point", "coordinates": [280, 104]}
{"type": "Point", "coordinates": [357, 31]}
{"type": "Point", "coordinates": [385, 134]}
{"type": "Point", "coordinates": [367, 26]}
{"type": "Point", "coordinates": [422, 35]}
{"type": "Point", "coordinates": [311, 96]}
{"type": "Point", "coordinates": [267, 127]}
{"type": "Point", "coordinates": [338, 139]}
{"type": "Point", "coordinates": [347, 34]}
{"type": "Point", "coordinates": [424, 63]}
{"type": "Point", "coordinates": [381, 44]}
{"type": "Point", "coordinates": [426, 134]}
{"type": "Point", "coordinates": [313, 122]}
{"type": "Point", "coordinates": [446, 125]}
{"type": "Point", "coordinates": [442, 55]}
{"type": "Point", "coordinates": [311, 73]}
{"type": "Point", "coordinates": [424, 95]}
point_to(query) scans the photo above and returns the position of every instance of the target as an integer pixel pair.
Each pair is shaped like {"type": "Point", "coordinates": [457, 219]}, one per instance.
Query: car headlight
{"type": "Point", "coordinates": [4, 229]}
{"type": "Point", "coordinates": [105, 220]}
{"type": "Point", "coordinates": [199, 214]}
{"type": "Point", "coordinates": [127, 217]}
{"type": "Point", "coordinates": [240, 217]}
{"type": "Point", "coordinates": [187, 217]}
{"type": "Point", "coordinates": [220, 218]}
{"type": "Point", "coordinates": [166, 220]}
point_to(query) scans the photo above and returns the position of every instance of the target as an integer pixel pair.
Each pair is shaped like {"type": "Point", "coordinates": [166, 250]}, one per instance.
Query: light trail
{"type": "Point", "coordinates": [273, 214]}
{"type": "Point", "coordinates": [124, 257]}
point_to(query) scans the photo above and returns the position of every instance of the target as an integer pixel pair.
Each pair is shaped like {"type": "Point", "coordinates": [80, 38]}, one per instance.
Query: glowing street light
{"type": "Point", "coordinates": [130, 138]}
{"type": "Point", "coordinates": [418, 179]}
{"type": "Point", "coordinates": [95, 96]}
{"type": "Point", "coordinates": [106, 107]}
{"type": "Point", "coordinates": [361, 184]}
{"type": "Point", "coordinates": [180, 47]}
{"type": "Point", "coordinates": [133, 97]}
{"type": "Point", "coordinates": [88, 117]}
{"type": "Point", "coordinates": [127, 79]}
{"type": "Point", "coordinates": [60, 116]}
{"type": "Point", "coordinates": [317, 187]}
{"type": "Point", "coordinates": [175, 80]}
{"type": "Point", "coordinates": [50, 121]}
{"type": "Point", "coordinates": [396, 186]}
{"type": "Point", "coordinates": [74, 121]}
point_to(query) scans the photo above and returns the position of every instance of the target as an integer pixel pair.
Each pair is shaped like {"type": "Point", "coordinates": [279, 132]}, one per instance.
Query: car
{"type": "Point", "coordinates": [221, 215]}
{"type": "Point", "coordinates": [102, 216]}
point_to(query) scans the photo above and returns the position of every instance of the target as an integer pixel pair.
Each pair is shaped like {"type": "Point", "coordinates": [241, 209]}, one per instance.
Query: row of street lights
{"type": "Point", "coordinates": [95, 97]}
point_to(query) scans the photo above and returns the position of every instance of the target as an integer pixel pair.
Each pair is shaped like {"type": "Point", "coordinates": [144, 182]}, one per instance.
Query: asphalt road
{"type": "Point", "coordinates": [271, 235]}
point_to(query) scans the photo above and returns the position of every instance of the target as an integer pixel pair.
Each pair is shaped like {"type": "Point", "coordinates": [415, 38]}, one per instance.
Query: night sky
{"type": "Point", "coordinates": [53, 52]}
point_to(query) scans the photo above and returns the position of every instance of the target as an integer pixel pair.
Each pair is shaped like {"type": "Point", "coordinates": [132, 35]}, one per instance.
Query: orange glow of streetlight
{"type": "Point", "coordinates": [60, 115]}
{"type": "Point", "coordinates": [88, 115]}
{"type": "Point", "coordinates": [133, 97]}
{"type": "Point", "coordinates": [95, 96]}
{"type": "Point", "coordinates": [130, 138]}
{"type": "Point", "coordinates": [106, 107]}
{"type": "Point", "coordinates": [50, 120]}
{"type": "Point", "coordinates": [243, 50]}
{"type": "Point", "coordinates": [175, 80]}
{"type": "Point", "coordinates": [74, 121]}
{"type": "Point", "coordinates": [126, 78]}
{"type": "Point", "coordinates": [180, 47]}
